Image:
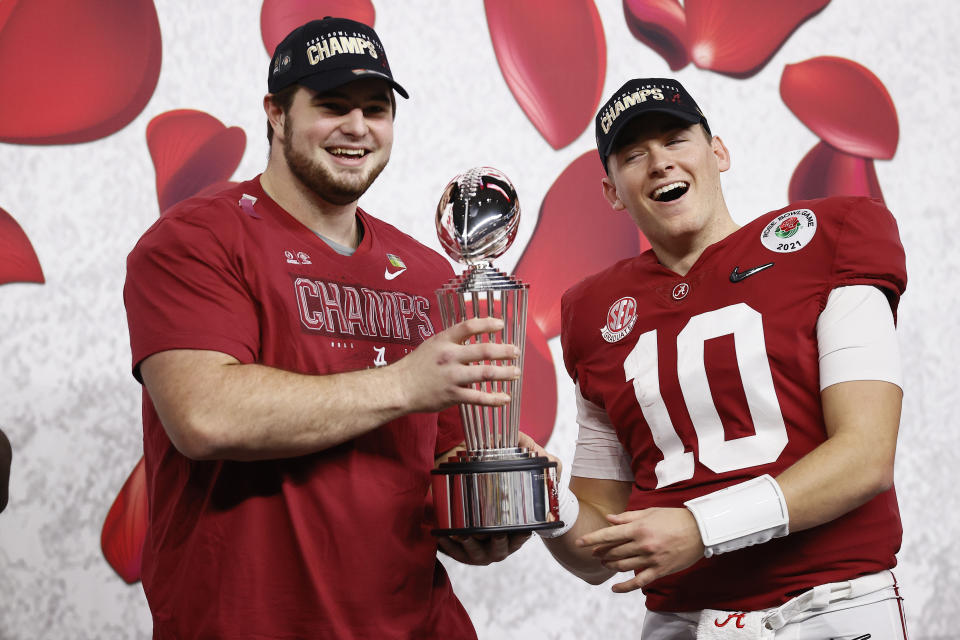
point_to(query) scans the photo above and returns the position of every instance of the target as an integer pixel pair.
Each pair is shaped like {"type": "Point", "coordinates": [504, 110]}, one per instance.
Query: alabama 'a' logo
{"type": "Point", "coordinates": [621, 317]}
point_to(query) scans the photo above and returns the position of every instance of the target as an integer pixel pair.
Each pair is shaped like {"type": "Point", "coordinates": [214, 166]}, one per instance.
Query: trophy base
{"type": "Point", "coordinates": [518, 528]}
{"type": "Point", "coordinates": [491, 492]}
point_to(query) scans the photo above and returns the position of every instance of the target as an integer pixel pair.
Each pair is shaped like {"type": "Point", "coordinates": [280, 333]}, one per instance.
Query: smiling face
{"type": "Point", "coordinates": [666, 174]}
{"type": "Point", "coordinates": [337, 142]}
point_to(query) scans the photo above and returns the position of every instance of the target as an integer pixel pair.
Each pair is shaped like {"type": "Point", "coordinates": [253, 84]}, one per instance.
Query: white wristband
{"type": "Point", "coordinates": [569, 508]}
{"type": "Point", "coordinates": [744, 514]}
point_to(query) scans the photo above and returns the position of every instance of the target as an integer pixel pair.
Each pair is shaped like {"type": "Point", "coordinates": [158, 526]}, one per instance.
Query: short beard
{"type": "Point", "coordinates": [317, 178]}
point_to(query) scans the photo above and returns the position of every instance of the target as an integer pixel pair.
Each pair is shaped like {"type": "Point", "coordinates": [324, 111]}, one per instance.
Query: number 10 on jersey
{"type": "Point", "coordinates": [716, 452]}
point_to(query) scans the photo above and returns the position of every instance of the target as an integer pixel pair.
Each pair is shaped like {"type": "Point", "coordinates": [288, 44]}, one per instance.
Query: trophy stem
{"type": "Point", "coordinates": [498, 415]}
{"type": "Point", "coordinates": [483, 291]}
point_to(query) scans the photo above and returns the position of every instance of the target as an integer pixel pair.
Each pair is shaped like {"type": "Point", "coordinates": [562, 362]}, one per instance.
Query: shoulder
{"type": "Point", "coordinates": [829, 224]}
{"type": "Point", "coordinates": [199, 220]}
{"type": "Point", "coordinates": [835, 214]}
{"type": "Point", "coordinates": [862, 233]}
{"type": "Point", "coordinates": [848, 240]}
{"type": "Point", "coordinates": [220, 210]}
{"type": "Point", "coordinates": [597, 286]}
{"type": "Point", "coordinates": [586, 303]}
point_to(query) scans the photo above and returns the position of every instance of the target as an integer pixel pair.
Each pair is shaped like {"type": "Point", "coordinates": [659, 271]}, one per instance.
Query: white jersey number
{"type": "Point", "coordinates": [716, 452]}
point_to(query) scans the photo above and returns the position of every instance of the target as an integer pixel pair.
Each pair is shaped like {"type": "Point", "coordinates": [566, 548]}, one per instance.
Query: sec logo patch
{"type": "Point", "coordinates": [621, 317]}
{"type": "Point", "coordinates": [790, 231]}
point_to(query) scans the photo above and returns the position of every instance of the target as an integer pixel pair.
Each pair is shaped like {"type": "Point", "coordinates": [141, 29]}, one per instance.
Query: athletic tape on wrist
{"type": "Point", "coordinates": [569, 508]}
{"type": "Point", "coordinates": [745, 514]}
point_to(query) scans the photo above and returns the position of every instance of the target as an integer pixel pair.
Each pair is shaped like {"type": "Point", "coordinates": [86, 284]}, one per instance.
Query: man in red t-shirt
{"type": "Point", "coordinates": [738, 394]}
{"type": "Point", "coordinates": [297, 385]}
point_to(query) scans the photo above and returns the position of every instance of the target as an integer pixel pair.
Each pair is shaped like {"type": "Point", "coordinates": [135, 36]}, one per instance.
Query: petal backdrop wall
{"type": "Point", "coordinates": [71, 408]}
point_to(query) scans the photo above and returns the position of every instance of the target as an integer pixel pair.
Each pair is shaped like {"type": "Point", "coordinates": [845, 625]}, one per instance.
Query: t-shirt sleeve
{"type": "Point", "coordinates": [869, 250]}
{"type": "Point", "coordinates": [449, 429]}
{"type": "Point", "coordinates": [185, 290]}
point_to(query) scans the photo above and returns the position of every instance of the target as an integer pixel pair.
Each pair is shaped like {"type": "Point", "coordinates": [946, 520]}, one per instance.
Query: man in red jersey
{"type": "Point", "coordinates": [738, 394]}
{"type": "Point", "coordinates": [297, 386]}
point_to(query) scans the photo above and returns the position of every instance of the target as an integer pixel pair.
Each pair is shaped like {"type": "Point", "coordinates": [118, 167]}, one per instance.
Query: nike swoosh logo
{"type": "Point", "coordinates": [391, 276]}
{"type": "Point", "coordinates": [736, 275]}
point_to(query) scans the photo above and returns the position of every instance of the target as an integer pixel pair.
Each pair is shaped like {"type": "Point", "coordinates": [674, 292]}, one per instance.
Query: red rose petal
{"type": "Point", "coordinates": [844, 103]}
{"type": "Point", "coordinates": [280, 17]}
{"type": "Point", "coordinates": [554, 59]}
{"type": "Point", "coordinates": [125, 527]}
{"type": "Point", "coordinates": [191, 150]}
{"type": "Point", "coordinates": [75, 70]}
{"type": "Point", "coordinates": [825, 171]}
{"type": "Point", "coordinates": [577, 234]}
{"type": "Point", "coordinates": [538, 406]}
{"type": "Point", "coordinates": [19, 261]}
{"type": "Point", "coordinates": [662, 26]}
{"type": "Point", "coordinates": [738, 37]}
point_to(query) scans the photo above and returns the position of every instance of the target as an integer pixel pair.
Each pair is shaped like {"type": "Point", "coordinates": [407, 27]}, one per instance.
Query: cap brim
{"type": "Point", "coordinates": [620, 123]}
{"type": "Point", "coordinates": [339, 77]}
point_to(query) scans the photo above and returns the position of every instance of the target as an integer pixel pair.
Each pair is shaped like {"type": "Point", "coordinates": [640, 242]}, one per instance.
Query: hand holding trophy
{"type": "Point", "coordinates": [495, 486]}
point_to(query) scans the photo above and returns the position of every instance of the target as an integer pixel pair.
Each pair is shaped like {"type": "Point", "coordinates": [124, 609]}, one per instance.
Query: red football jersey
{"type": "Point", "coordinates": [330, 545]}
{"type": "Point", "coordinates": [712, 379]}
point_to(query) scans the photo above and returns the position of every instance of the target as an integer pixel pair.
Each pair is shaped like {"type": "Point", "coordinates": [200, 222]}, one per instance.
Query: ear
{"type": "Point", "coordinates": [275, 115]}
{"type": "Point", "coordinates": [610, 193]}
{"type": "Point", "coordinates": [721, 152]}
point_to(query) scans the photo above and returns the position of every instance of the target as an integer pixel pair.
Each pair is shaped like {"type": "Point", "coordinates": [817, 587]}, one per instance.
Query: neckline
{"type": "Point", "coordinates": [705, 255]}
{"type": "Point", "coordinates": [282, 216]}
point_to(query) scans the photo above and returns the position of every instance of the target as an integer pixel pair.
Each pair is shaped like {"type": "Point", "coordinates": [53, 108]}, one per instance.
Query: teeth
{"type": "Point", "coordinates": [352, 153]}
{"type": "Point", "coordinates": [668, 187]}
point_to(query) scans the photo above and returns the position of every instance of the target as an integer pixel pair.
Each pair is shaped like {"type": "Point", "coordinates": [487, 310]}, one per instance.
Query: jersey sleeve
{"type": "Point", "coordinates": [599, 453]}
{"type": "Point", "coordinates": [184, 290]}
{"type": "Point", "coordinates": [567, 333]}
{"type": "Point", "coordinates": [869, 251]}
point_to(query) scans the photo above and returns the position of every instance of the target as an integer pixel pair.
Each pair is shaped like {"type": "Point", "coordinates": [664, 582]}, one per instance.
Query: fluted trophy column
{"type": "Point", "coordinates": [495, 485]}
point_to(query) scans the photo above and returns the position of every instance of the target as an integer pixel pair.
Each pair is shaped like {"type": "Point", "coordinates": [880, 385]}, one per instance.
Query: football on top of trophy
{"type": "Point", "coordinates": [478, 216]}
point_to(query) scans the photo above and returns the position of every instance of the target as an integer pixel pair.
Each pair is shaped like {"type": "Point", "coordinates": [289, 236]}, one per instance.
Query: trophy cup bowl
{"type": "Point", "coordinates": [494, 486]}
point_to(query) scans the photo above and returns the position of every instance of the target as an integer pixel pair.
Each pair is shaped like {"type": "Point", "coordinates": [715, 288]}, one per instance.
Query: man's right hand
{"type": "Point", "coordinates": [441, 371]}
{"type": "Point", "coordinates": [214, 407]}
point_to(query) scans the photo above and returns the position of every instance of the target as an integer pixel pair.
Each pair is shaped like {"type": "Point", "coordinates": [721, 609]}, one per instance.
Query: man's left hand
{"type": "Point", "coordinates": [482, 549]}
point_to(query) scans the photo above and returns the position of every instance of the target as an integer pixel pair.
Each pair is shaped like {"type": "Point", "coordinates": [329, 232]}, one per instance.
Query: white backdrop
{"type": "Point", "coordinates": [71, 408]}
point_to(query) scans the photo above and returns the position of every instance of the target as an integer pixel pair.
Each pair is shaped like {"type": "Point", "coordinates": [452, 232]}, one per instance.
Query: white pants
{"type": "Point", "coordinates": [877, 615]}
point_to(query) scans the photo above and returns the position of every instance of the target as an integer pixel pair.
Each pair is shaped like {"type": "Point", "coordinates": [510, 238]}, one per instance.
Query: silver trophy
{"type": "Point", "coordinates": [495, 485]}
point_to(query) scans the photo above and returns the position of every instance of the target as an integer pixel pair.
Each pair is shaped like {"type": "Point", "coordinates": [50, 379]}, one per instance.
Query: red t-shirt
{"type": "Point", "coordinates": [712, 379]}
{"type": "Point", "coordinates": [334, 544]}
